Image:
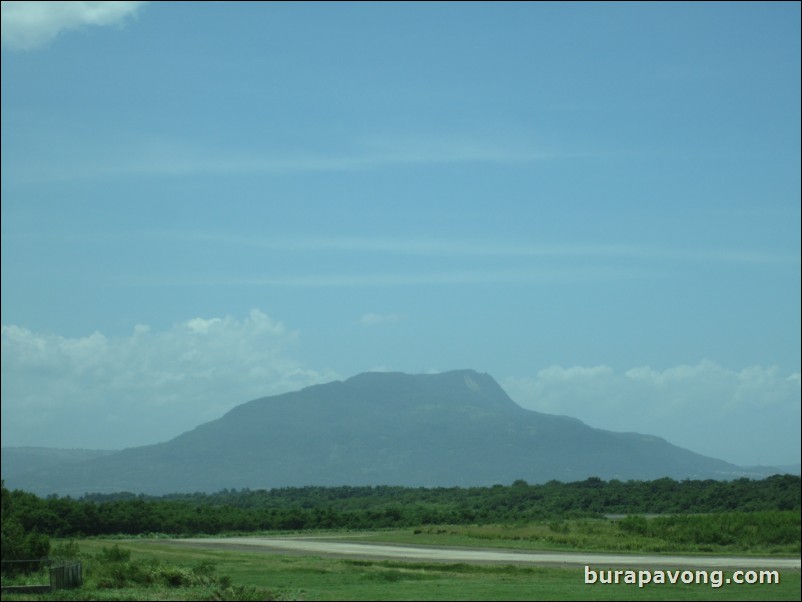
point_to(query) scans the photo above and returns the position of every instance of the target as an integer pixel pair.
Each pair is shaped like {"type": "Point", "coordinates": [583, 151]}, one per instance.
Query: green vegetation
{"type": "Point", "coordinates": [111, 574]}
{"type": "Point", "coordinates": [761, 518]}
{"type": "Point", "coordinates": [314, 508]}
{"type": "Point", "coordinates": [758, 534]}
{"type": "Point", "coordinates": [21, 540]}
{"type": "Point", "coordinates": [252, 575]}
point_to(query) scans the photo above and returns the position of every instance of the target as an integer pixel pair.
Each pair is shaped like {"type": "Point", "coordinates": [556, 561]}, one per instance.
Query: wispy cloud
{"type": "Point", "coordinates": [30, 25]}
{"type": "Point", "coordinates": [525, 275]}
{"type": "Point", "coordinates": [409, 246]}
{"type": "Point", "coordinates": [121, 154]}
{"type": "Point", "coordinates": [481, 248]}
{"type": "Point", "coordinates": [372, 319]}
{"type": "Point", "coordinates": [422, 261]}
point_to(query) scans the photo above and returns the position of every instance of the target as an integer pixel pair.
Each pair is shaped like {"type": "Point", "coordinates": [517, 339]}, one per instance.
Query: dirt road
{"type": "Point", "coordinates": [346, 549]}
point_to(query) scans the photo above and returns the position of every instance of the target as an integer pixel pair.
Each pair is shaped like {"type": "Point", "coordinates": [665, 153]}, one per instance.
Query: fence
{"type": "Point", "coordinates": [67, 575]}
{"type": "Point", "coordinates": [62, 575]}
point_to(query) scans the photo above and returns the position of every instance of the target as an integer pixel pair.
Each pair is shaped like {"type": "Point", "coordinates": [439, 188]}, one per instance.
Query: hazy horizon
{"type": "Point", "coordinates": [209, 203]}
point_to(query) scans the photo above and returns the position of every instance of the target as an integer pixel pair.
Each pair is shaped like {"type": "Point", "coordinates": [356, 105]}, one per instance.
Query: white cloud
{"type": "Point", "coordinates": [377, 319]}
{"type": "Point", "coordinates": [29, 25]}
{"type": "Point", "coordinates": [747, 417]}
{"type": "Point", "coordinates": [575, 373]}
{"type": "Point", "coordinates": [96, 391]}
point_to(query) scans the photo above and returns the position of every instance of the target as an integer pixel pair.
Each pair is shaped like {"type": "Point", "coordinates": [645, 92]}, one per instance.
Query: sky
{"type": "Point", "coordinates": [597, 204]}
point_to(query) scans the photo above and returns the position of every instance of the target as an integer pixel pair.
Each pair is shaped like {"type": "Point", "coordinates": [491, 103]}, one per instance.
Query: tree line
{"type": "Point", "coordinates": [309, 508]}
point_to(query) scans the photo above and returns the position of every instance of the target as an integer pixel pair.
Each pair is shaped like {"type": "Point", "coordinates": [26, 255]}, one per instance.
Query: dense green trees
{"type": "Point", "coordinates": [20, 540]}
{"type": "Point", "coordinates": [381, 507]}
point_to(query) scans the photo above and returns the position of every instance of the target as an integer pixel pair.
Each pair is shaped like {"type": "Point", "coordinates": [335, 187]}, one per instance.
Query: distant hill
{"type": "Point", "coordinates": [761, 471]}
{"type": "Point", "coordinates": [452, 429]}
{"type": "Point", "coordinates": [17, 461]}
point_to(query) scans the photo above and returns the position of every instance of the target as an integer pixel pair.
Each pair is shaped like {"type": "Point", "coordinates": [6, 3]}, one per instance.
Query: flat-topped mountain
{"type": "Point", "coordinates": [455, 428]}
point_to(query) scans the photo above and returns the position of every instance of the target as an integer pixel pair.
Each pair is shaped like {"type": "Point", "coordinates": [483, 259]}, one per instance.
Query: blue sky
{"type": "Point", "coordinates": [598, 204]}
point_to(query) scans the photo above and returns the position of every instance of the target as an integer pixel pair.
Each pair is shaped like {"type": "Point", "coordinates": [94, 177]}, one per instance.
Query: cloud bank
{"type": "Point", "coordinates": [747, 417]}
{"type": "Point", "coordinates": [98, 392]}
{"type": "Point", "coordinates": [101, 392]}
{"type": "Point", "coordinates": [30, 25]}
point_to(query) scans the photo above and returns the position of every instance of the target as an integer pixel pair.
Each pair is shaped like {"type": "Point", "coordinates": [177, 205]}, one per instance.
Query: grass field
{"type": "Point", "coordinates": [590, 535]}
{"type": "Point", "coordinates": [313, 578]}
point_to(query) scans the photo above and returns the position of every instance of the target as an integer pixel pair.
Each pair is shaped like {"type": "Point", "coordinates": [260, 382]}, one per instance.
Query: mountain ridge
{"type": "Point", "coordinates": [456, 428]}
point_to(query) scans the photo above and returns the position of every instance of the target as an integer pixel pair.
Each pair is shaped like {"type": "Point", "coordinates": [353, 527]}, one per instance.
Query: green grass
{"type": "Point", "coordinates": [776, 534]}
{"type": "Point", "coordinates": [312, 578]}
{"type": "Point", "coordinates": [599, 535]}
{"type": "Point", "coordinates": [151, 569]}
{"type": "Point", "coordinates": [40, 577]}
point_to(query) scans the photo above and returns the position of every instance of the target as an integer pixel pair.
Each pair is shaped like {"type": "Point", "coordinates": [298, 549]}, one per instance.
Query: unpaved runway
{"type": "Point", "coordinates": [326, 547]}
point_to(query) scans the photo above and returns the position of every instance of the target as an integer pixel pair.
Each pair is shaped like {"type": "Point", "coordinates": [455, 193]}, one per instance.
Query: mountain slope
{"type": "Point", "coordinates": [16, 461]}
{"type": "Point", "coordinates": [455, 428]}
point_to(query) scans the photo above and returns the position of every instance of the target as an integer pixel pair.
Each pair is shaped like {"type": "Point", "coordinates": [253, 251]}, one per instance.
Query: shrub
{"type": "Point", "coordinates": [634, 525]}
{"type": "Point", "coordinates": [114, 554]}
{"type": "Point", "coordinates": [558, 526]}
{"type": "Point", "coordinates": [65, 551]}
